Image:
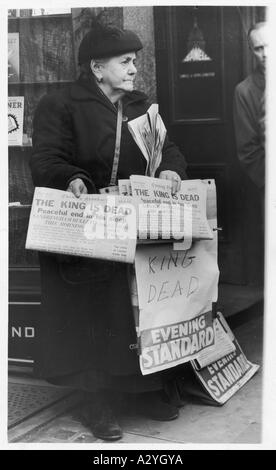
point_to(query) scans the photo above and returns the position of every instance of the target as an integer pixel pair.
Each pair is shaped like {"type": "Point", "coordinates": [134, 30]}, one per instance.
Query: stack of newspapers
{"type": "Point", "coordinates": [110, 226]}
{"type": "Point", "coordinates": [149, 133]}
{"type": "Point", "coordinates": [141, 209]}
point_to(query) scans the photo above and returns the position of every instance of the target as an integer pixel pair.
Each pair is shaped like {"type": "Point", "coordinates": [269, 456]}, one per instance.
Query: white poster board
{"type": "Point", "coordinates": [176, 290]}
{"type": "Point", "coordinates": [15, 120]}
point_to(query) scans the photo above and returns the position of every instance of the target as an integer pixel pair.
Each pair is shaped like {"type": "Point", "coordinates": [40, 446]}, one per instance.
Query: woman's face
{"type": "Point", "coordinates": [118, 73]}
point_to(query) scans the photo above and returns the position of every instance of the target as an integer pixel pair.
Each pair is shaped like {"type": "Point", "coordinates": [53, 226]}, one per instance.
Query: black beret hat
{"type": "Point", "coordinates": [105, 41]}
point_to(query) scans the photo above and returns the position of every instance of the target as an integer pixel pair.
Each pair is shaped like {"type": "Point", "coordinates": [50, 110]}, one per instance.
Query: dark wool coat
{"type": "Point", "coordinates": [86, 316]}
{"type": "Point", "coordinates": [249, 116]}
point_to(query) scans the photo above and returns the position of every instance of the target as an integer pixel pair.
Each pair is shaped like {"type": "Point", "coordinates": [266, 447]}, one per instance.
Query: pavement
{"type": "Point", "coordinates": [55, 413]}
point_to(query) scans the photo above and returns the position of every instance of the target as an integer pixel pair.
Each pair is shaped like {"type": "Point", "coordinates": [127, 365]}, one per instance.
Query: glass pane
{"type": "Point", "coordinates": [32, 94]}
{"type": "Point", "coordinates": [45, 48]}
{"type": "Point", "coordinates": [42, 60]}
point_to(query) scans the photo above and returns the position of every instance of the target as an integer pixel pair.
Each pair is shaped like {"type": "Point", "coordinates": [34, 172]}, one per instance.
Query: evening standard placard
{"type": "Point", "coordinates": [173, 293]}
{"type": "Point", "coordinates": [174, 344]}
{"type": "Point", "coordinates": [225, 376]}
{"type": "Point", "coordinates": [93, 226]}
{"type": "Point", "coordinates": [176, 290]}
{"type": "Point", "coordinates": [223, 345]}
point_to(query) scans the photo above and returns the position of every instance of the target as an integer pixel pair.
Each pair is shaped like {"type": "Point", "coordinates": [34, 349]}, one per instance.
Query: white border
{"type": "Point", "coordinates": [269, 396]}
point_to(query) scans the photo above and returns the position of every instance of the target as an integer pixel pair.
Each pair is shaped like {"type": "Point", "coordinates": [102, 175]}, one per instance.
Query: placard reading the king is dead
{"type": "Point", "coordinates": [15, 119]}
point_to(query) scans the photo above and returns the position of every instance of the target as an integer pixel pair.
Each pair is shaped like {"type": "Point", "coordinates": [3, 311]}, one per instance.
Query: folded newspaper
{"type": "Point", "coordinates": [108, 226]}
{"type": "Point", "coordinates": [93, 226]}
{"type": "Point", "coordinates": [149, 133]}
{"type": "Point", "coordinates": [166, 216]}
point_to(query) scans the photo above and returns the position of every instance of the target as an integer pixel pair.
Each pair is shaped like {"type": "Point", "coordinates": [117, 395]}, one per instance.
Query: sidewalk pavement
{"type": "Point", "coordinates": [238, 421]}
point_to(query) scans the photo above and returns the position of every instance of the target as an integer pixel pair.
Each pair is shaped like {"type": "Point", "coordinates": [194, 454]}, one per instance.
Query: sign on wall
{"type": "Point", "coordinates": [197, 64]}
{"type": "Point", "coordinates": [15, 120]}
{"type": "Point", "coordinates": [23, 319]}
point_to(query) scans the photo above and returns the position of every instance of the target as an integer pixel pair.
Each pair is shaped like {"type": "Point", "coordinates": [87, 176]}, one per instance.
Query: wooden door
{"type": "Point", "coordinates": [200, 57]}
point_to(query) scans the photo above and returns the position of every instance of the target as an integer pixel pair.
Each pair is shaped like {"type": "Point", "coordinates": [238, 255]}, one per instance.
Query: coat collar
{"type": "Point", "coordinates": [86, 90]}
{"type": "Point", "coordinates": [258, 77]}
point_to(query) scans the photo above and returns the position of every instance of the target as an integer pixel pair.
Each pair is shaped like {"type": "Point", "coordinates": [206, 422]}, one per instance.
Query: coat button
{"type": "Point", "coordinates": [125, 118]}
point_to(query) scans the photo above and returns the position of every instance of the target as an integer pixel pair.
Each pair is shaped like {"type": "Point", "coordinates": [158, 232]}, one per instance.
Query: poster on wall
{"type": "Point", "coordinates": [15, 120]}
{"type": "Point", "coordinates": [197, 64]}
{"type": "Point", "coordinates": [50, 11]}
{"type": "Point", "coordinates": [13, 57]}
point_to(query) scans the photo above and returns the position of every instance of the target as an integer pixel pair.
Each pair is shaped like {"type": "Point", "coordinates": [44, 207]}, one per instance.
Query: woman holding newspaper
{"type": "Point", "coordinates": [81, 143]}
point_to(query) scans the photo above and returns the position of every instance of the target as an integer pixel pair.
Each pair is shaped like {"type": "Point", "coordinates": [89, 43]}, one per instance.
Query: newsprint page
{"type": "Point", "coordinates": [138, 342]}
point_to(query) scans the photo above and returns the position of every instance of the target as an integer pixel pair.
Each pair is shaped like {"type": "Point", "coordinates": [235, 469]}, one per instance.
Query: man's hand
{"type": "Point", "coordinates": [77, 187]}
{"type": "Point", "coordinates": [173, 177]}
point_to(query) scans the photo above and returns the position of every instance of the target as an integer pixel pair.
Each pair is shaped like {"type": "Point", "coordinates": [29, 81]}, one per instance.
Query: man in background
{"type": "Point", "coordinates": [249, 110]}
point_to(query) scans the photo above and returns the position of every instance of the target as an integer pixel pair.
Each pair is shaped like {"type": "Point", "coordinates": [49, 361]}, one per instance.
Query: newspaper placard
{"type": "Point", "coordinates": [223, 345]}
{"type": "Point", "coordinates": [224, 377]}
{"type": "Point", "coordinates": [13, 57]}
{"type": "Point", "coordinates": [171, 216]}
{"type": "Point", "coordinates": [176, 290]}
{"type": "Point", "coordinates": [94, 225]}
{"type": "Point", "coordinates": [15, 120]}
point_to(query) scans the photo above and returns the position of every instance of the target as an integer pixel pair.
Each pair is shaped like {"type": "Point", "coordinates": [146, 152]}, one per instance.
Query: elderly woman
{"type": "Point", "coordinates": [86, 331]}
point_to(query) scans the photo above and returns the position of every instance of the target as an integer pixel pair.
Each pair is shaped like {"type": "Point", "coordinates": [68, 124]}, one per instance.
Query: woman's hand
{"type": "Point", "coordinates": [173, 177]}
{"type": "Point", "coordinates": [77, 187]}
